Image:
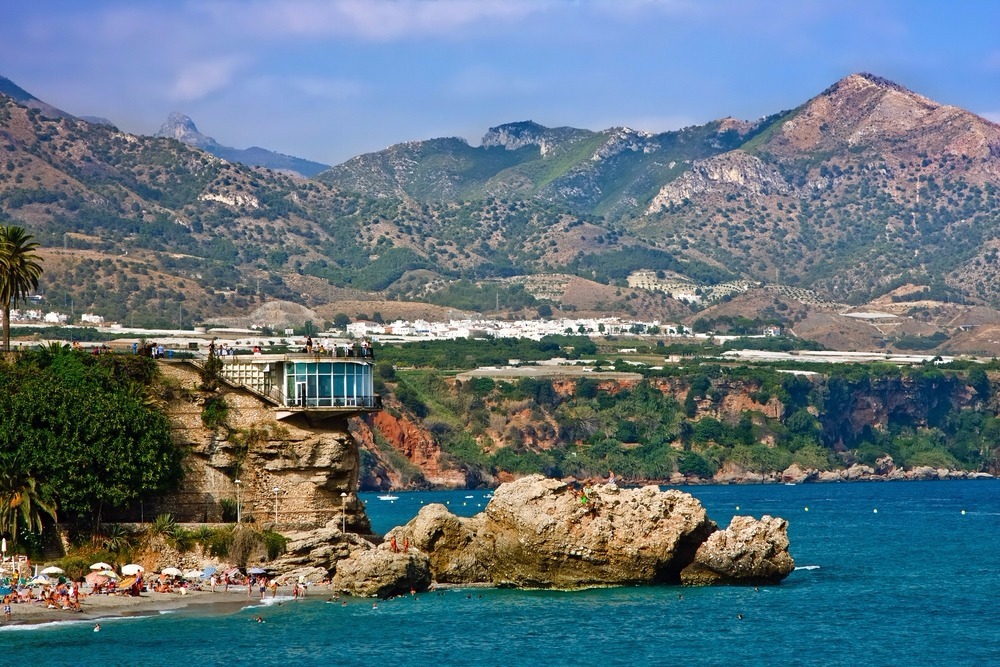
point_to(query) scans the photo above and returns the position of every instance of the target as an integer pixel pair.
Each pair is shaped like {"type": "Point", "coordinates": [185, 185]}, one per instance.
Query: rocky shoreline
{"type": "Point", "coordinates": [884, 470]}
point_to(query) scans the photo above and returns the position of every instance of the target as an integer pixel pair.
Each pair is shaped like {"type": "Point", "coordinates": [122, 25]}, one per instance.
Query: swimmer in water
{"type": "Point", "coordinates": [97, 627]}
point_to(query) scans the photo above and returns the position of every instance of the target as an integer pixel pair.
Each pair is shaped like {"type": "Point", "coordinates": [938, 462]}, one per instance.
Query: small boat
{"type": "Point", "coordinates": [388, 496]}
{"type": "Point", "coordinates": [470, 496]}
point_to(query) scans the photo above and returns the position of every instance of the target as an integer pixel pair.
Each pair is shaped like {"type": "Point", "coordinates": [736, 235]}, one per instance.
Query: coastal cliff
{"type": "Point", "coordinates": [291, 473]}
{"type": "Point", "coordinates": [709, 424]}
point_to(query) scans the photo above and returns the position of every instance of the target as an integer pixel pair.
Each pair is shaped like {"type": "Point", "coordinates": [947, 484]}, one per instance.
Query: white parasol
{"type": "Point", "coordinates": [132, 569]}
{"type": "Point", "coordinates": [52, 569]}
{"type": "Point", "coordinates": [100, 566]}
{"type": "Point", "coordinates": [171, 572]}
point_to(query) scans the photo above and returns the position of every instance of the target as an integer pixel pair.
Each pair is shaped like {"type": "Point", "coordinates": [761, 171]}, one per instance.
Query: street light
{"type": "Point", "coordinates": [343, 512]}
{"type": "Point", "coordinates": [239, 515]}
{"type": "Point", "coordinates": [276, 490]}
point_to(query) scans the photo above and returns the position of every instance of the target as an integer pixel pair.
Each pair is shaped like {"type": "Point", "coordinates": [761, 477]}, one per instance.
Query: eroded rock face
{"type": "Point", "coordinates": [382, 572]}
{"type": "Point", "coordinates": [748, 551]}
{"type": "Point", "coordinates": [538, 532]}
{"type": "Point", "coordinates": [311, 465]}
{"type": "Point", "coordinates": [449, 541]}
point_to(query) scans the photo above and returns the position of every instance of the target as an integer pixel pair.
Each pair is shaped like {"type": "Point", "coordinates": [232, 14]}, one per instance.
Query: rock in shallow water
{"type": "Point", "coordinates": [538, 532]}
{"type": "Point", "coordinates": [748, 551]}
{"type": "Point", "coordinates": [542, 533]}
{"type": "Point", "coordinates": [382, 573]}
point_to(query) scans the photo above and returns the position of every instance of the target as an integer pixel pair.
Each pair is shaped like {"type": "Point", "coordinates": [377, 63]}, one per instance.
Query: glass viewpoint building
{"type": "Point", "coordinates": [306, 382]}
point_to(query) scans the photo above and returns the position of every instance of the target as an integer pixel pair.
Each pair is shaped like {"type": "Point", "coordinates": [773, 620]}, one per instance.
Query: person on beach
{"type": "Point", "coordinates": [6, 612]}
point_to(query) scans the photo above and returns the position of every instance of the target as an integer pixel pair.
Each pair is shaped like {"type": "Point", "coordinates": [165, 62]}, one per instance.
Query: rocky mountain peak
{"type": "Point", "coordinates": [182, 128]}
{"type": "Point", "coordinates": [515, 135]}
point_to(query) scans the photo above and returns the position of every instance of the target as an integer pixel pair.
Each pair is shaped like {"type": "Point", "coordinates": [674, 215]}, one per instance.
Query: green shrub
{"type": "Point", "coordinates": [214, 412]}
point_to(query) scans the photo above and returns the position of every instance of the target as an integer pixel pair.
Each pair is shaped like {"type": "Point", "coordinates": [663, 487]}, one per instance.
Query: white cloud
{"type": "Point", "coordinates": [378, 20]}
{"type": "Point", "coordinates": [203, 77]}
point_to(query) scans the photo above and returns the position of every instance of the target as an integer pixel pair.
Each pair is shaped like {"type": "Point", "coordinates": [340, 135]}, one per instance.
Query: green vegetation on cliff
{"type": "Point", "coordinates": [701, 417]}
{"type": "Point", "coordinates": [78, 435]}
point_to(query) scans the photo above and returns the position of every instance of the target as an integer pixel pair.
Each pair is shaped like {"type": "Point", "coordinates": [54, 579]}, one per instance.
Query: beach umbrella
{"type": "Point", "coordinates": [40, 580]}
{"type": "Point", "coordinates": [209, 571]}
{"type": "Point", "coordinates": [132, 569]}
{"type": "Point", "coordinates": [100, 566]}
{"type": "Point", "coordinates": [256, 570]}
{"type": "Point", "coordinates": [171, 572]}
{"type": "Point", "coordinates": [193, 574]}
{"type": "Point", "coordinates": [96, 579]}
{"type": "Point", "coordinates": [53, 570]}
{"type": "Point", "coordinates": [110, 574]}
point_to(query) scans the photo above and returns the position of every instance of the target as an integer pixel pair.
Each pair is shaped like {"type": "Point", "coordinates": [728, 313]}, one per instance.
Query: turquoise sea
{"type": "Point", "coordinates": [888, 574]}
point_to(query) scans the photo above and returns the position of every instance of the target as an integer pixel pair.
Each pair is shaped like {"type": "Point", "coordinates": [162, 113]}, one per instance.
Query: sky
{"type": "Point", "coordinates": [330, 80]}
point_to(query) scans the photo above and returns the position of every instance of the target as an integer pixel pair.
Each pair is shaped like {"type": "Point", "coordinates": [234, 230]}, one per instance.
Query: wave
{"type": "Point", "coordinates": [807, 567]}
{"type": "Point", "coordinates": [267, 602]}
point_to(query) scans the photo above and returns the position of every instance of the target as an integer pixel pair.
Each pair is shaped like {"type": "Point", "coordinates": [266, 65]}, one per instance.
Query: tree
{"type": "Point", "coordinates": [22, 501]}
{"type": "Point", "coordinates": [19, 272]}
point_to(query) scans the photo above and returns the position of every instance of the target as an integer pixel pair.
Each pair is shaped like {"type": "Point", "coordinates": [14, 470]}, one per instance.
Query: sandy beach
{"type": "Point", "coordinates": [95, 607]}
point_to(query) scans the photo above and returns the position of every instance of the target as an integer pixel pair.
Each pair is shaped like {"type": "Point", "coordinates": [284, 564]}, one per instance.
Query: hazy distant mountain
{"type": "Point", "coordinates": [182, 128]}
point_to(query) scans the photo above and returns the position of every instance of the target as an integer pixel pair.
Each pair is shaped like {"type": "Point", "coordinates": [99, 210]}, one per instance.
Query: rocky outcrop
{"type": "Point", "coordinates": [731, 173]}
{"type": "Point", "coordinates": [449, 541]}
{"type": "Point", "coordinates": [748, 551]}
{"type": "Point", "coordinates": [543, 533]}
{"type": "Point", "coordinates": [310, 465]}
{"type": "Point", "coordinates": [382, 573]}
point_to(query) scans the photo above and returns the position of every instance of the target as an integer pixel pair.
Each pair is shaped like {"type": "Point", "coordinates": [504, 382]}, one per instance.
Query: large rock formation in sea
{"type": "Point", "coordinates": [544, 533]}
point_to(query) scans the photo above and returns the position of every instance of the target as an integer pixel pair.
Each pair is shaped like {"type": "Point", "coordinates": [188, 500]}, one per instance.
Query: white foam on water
{"type": "Point", "coordinates": [267, 602]}
{"type": "Point", "coordinates": [808, 567]}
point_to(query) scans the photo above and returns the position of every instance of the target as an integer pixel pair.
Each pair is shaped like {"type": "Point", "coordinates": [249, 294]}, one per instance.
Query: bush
{"type": "Point", "coordinates": [214, 412]}
{"type": "Point", "coordinates": [691, 463]}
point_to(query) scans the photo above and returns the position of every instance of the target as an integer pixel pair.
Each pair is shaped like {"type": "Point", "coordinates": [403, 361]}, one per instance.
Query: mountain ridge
{"type": "Point", "coordinates": [858, 192]}
{"type": "Point", "coordinates": [181, 127]}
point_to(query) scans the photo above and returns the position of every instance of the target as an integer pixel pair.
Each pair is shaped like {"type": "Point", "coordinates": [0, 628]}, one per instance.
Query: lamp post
{"type": "Point", "coordinates": [343, 512]}
{"type": "Point", "coordinates": [239, 514]}
{"type": "Point", "coordinates": [276, 490]}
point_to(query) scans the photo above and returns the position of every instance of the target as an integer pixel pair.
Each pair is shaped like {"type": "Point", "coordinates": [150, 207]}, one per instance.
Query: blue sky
{"type": "Point", "coordinates": [330, 80]}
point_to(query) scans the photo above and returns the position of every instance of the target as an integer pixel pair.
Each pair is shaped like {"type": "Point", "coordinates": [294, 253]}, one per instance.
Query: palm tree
{"type": "Point", "coordinates": [22, 502]}
{"type": "Point", "coordinates": [19, 272]}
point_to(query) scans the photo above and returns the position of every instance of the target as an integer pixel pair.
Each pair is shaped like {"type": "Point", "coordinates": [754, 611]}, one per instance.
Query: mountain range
{"type": "Point", "coordinates": [866, 191]}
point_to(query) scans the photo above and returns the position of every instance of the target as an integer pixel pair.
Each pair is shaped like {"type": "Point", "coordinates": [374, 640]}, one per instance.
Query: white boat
{"type": "Point", "coordinates": [388, 496]}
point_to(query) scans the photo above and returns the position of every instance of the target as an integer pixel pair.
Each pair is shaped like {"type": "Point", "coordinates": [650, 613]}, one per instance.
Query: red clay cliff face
{"type": "Point", "coordinates": [412, 440]}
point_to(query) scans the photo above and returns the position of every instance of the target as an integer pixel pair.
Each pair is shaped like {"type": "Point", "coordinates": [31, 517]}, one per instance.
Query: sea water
{"type": "Point", "coordinates": [901, 573]}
